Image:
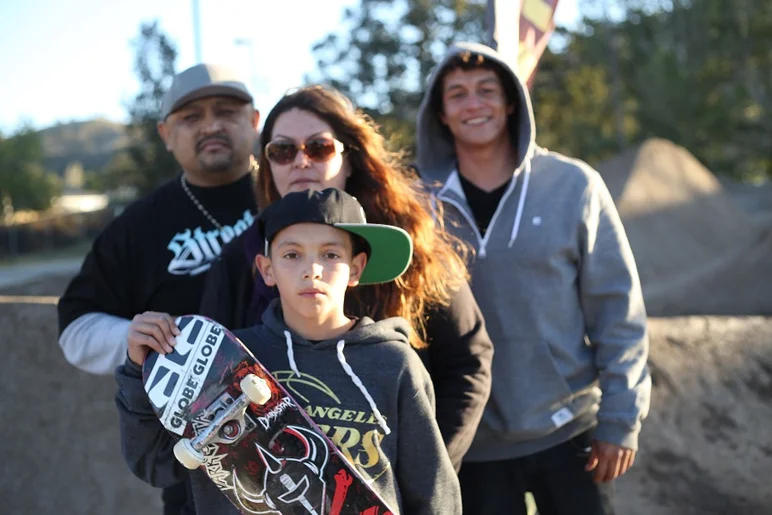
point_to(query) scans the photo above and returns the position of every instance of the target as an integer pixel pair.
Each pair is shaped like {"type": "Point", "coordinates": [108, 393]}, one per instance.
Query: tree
{"type": "Point", "coordinates": [150, 163]}
{"type": "Point", "coordinates": [24, 183]}
{"type": "Point", "coordinates": [574, 109]}
{"type": "Point", "coordinates": [696, 72]}
{"type": "Point", "coordinates": [381, 60]}
{"type": "Point", "coordinates": [699, 72]}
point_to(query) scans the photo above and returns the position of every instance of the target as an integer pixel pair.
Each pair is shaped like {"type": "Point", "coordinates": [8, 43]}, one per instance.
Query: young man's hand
{"type": "Point", "coordinates": [151, 330]}
{"type": "Point", "coordinates": [609, 461]}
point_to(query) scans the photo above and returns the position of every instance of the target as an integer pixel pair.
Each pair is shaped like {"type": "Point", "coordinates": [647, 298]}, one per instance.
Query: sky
{"type": "Point", "coordinates": [66, 61]}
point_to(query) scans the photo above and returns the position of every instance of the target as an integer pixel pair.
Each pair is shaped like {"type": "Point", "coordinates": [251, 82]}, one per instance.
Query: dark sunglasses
{"type": "Point", "coordinates": [318, 150]}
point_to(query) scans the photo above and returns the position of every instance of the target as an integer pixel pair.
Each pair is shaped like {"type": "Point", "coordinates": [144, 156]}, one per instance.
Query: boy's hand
{"type": "Point", "coordinates": [609, 461]}
{"type": "Point", "coordinates": [151, 330]}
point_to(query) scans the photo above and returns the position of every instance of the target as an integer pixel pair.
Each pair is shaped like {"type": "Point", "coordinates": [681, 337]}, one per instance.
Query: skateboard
{"type": "Point", "coordinates": [234, 420]}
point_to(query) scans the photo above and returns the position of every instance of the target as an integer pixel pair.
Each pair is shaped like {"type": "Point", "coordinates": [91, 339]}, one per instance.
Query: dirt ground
{"type": "Point", "coordinates": [706, 447]}
{"type": "Point", "coordinates": [59, 440]}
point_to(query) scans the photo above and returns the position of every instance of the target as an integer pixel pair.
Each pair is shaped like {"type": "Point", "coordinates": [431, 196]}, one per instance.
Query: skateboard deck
{"type": "Point", "coordinates": [234, 420]}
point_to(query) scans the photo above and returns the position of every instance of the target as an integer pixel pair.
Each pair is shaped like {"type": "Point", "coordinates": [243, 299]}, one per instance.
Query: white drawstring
{"type": "Point", "coordinates": [291, 353]}
{"type": "Point", "coordinates": [347, 368]}
{"type": "Point", "coordinates": [520, 204]}
{"type": "Point", "coordinates": [362, 388]}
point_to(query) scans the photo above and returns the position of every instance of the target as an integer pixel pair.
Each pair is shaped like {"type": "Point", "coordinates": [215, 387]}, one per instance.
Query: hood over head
{"type": "Point", "coordinates": [436, 155]}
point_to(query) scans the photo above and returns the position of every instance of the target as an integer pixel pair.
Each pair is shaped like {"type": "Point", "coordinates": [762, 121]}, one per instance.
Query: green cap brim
{"type": "Point", "coordinates": [391, 251]}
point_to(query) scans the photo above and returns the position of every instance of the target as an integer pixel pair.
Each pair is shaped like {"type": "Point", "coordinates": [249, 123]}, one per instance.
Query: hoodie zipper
{"type": "Point", "coordinates": [482, 242]}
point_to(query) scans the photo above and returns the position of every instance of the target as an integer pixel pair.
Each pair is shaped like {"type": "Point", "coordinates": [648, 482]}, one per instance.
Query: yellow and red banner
{"type": "Point", "coordinates": [522, 43]}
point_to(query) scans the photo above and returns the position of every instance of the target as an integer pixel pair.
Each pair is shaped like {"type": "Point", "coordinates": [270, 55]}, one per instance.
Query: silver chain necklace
{"type": "Point", "coordinates": [195, 201]}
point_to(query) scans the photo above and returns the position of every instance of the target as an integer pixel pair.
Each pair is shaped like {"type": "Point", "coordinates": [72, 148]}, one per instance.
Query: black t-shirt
{"type": "Point", "coordinates": [155, 255]}
{"type": "Point", "coordinates": [482, 203]}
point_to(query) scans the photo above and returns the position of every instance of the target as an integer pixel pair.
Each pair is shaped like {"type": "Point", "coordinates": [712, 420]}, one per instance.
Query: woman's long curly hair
{"type": "Point", "coordinates": [390, 193]}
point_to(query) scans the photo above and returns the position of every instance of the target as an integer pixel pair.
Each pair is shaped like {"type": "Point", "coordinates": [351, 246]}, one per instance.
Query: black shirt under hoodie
{"type": "Point", "coordinates": [153, 257]}
{"type": "Point", "coordinates": [458, 356]}
{"type": "Point", "coordinates": [408, 466]}
{"type": "Point", "coordinates": [482, 203]}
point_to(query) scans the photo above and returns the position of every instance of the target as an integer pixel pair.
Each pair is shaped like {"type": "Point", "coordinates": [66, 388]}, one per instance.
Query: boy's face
{"type": "Point", "coordinates": [475, 106]}
{"type": "Point", "coordinates": [312, 265]}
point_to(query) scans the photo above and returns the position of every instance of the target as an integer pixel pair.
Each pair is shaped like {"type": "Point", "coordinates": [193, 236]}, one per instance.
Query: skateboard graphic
{"type": "Point", "coordinates": [232, 418]}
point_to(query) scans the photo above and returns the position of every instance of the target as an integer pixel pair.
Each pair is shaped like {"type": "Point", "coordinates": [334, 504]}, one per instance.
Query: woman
{"type": "Point", "coordinates": [315, 139]}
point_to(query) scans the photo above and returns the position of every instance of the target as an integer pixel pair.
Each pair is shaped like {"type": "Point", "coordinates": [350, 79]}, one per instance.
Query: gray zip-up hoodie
{"type": "Point", "coordinates": [367, 389]}
{"type": "Point", "coordinates": [556, 281]}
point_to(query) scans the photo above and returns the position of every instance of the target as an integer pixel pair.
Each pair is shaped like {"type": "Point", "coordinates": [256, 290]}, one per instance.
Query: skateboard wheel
{"type": "Point", "coordinates": [256, 389]}
{"type": "Point", "coordinates": [188, 455]}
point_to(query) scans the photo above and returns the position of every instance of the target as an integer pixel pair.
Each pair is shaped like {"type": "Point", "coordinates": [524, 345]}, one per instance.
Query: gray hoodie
{"type": "Point", "coordinates": [556, 281]}
{"type": "Point", "coordinates": [367, 389]}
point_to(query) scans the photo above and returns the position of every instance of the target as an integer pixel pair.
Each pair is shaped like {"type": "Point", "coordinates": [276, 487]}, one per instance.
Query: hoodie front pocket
{"type": "Point", "coordinates": [530, 398]}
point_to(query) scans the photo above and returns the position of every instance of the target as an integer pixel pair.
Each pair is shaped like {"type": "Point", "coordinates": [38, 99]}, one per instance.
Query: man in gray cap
{"type": "Point", "coordinates": [148, 265]}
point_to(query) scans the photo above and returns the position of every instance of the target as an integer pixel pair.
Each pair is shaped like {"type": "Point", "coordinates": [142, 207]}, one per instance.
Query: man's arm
{"type": "Point", "coordinates": [95, 309]}
{"type": "Point", "coordinates": [615, 318]}
{"type": "Point", "coordinates": [95, 342]}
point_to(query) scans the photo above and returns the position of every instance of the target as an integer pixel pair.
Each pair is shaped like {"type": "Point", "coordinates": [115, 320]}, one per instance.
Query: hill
{"type": "Point", "coordinates": [92, 143]}
{"type": "Point", "coordinates": [697, 250]}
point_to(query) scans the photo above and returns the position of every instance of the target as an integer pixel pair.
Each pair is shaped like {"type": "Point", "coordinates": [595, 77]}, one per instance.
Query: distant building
{"type": "Point", "coordinates": [83, 202]}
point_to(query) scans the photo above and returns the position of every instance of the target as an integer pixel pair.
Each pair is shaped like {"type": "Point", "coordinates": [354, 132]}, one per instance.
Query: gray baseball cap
{"type": "Point", "coordinates": [202, 80]}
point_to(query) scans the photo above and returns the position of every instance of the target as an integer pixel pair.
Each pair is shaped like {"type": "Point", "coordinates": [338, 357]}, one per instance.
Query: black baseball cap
{"type": "Point", "coordinates": [391, 248]}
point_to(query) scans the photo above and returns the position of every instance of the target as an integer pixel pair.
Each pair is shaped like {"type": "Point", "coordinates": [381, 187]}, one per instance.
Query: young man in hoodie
{"type": "Point", "coordinates": [358, 379]}
{"type": "Point", "coordinates": [558, 287]}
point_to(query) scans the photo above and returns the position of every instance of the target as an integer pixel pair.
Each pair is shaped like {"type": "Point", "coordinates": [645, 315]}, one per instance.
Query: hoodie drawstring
{"type": "Point", "coordinates": [520, 203]}
{"type": "Point", "coordinates": [349, 371]}
{"type": "Point", "coordinates": [291, 353]}
{"type": "Point", "coordinates": [355, 379]}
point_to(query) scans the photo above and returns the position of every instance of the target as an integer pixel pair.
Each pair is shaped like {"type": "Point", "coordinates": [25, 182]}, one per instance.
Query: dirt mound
{"type": "Point", "coordinates": [756, 199]}
{"type": "Point", "coordinates": [705, 447]}
{"type": "Point", "coordinates": [693, 245]}
{"type": "Point", "coordinates": [740, 284]}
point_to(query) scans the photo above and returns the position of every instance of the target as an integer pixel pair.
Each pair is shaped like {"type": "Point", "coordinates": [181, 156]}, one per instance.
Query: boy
{"type": "Point", "coordinates": [359, 379]}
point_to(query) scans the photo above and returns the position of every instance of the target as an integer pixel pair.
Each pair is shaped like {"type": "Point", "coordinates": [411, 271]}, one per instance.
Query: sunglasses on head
{"type": "Point", "coordinates": [318, 150]}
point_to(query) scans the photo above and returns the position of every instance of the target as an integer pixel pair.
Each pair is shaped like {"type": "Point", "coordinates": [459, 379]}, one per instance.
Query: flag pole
{"type": "Point", "coordinates": [197, 31]}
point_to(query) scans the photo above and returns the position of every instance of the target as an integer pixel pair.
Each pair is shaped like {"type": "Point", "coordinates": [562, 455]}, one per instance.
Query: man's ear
{"type": "Point", "coordinates": [263, 264]}
{"type": "Point", "coordinates": [256, 120]}
{"type": "Point", "coordinates": [358, 264]}
{"type": "Point", "coordinates": [163, 132]}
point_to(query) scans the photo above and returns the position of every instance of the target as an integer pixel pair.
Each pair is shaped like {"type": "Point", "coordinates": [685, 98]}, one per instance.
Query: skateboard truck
{"type": "Point", "coordinates": [228, 423]}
